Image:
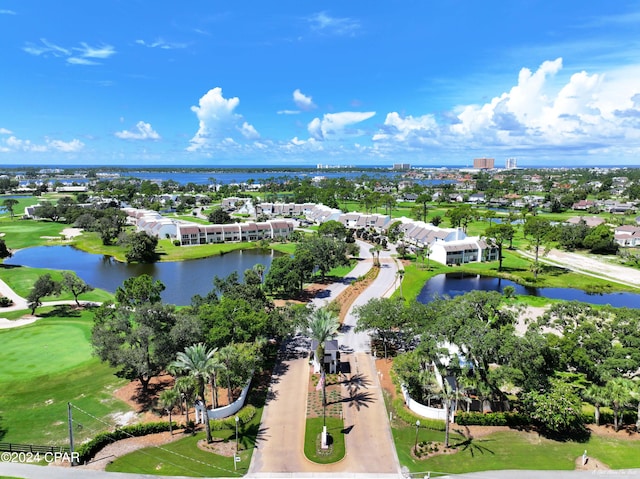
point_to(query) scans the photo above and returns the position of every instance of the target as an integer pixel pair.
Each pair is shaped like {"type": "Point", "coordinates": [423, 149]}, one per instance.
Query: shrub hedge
{"type": "Point", "coordinates": [89, 449]}
{"type": "Point", "coordinates": [511, 419]}
{"type": "Point", "coordinates": [245, 415]}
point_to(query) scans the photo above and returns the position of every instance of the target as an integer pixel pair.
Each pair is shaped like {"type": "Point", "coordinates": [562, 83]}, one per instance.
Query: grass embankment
{"type": "Point", "coordinates": [515, 268]}
{"type": "Point", "coordinates": [46, 365]}
{"type": "Point", "coordinates": [167, 251]}
{"type": "Point", "coordinates": [21, 280]}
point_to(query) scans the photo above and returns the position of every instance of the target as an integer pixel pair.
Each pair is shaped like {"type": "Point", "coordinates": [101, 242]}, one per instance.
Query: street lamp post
{"type": "Point", "coordinates": [237, 420]}
{"type": "Point", "coordinates": [415, 446]}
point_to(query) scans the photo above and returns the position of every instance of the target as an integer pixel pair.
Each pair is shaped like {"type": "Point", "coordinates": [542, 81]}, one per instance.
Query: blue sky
{"type": "Point", "coordinates": [296, 82]}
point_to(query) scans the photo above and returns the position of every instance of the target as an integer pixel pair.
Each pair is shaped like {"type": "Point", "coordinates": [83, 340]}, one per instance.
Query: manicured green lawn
{"type": "Point", "coordinates": [44, 366]}
{"type": "Point", "coordinates": [20, 234]}
{"type": "Point", "coordinates": [21, 280]}
{"type": "Point", "coordinates": [335, 427]}
{"type": "Point", "coordinates": [513, 450]}
{"type": "Point", "coordinates": [169, 252]}
{"type": "Point", "coordinates": [182, 458]}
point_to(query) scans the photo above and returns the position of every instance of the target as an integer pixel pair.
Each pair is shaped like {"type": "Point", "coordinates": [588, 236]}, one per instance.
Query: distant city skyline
{"type": "Point", "coordinates": [295, 83]}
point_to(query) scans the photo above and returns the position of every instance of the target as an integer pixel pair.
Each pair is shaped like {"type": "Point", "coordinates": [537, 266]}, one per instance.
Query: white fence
{"type": "Point", "coordinates": [426, 411]}
{"type": "Point", "coordinates": [232, 408]}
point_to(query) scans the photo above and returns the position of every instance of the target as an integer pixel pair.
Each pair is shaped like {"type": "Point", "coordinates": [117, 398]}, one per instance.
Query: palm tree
{"type": "Point", "coordinates": [259, 268]}
{"type": "Point", "coordinates": [322, 325]}
{"type": "Point", "coordinates": [427, 253]}
{"type": "Point", "coordinates": [184, 386]}
{"type": "Point", "coordinates": [196, 361]}
{"type": "Point", "coordinates": [168, 400]}
{"type": "Point", "coordinates": [597, 396]}
{"type": "Point", "coordinates": [216, 365]}
{"type": "Point", "coordinates": [618, 391]}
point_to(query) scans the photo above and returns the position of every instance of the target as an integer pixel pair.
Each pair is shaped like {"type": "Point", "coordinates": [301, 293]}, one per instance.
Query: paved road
{"type": "Point", "coordinates": [369, 445]}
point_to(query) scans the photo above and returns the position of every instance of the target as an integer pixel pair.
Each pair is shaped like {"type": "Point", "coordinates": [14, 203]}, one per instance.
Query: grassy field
{"type": "Point", "coordinates": [45, 365]}
{"type": "Point", "coordinates": [21, 280]}
{"type": "Point", "coordinates": [184, 458]}
{"type": "Point", "coordinates": [20, 234]}
{"type": "Point", "coordinates": [511, 450]}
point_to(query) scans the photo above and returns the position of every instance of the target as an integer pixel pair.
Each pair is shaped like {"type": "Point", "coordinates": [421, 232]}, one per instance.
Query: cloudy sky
{"type": "Point", "coordinates": [300, 82]}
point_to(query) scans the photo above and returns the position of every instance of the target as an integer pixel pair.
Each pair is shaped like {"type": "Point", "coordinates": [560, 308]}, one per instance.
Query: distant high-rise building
{"type": "Point", "coordinates": [510, 164]}
{"type": "Point", "coordinates": [401, 166]}
{"type": "Point", "coordinates": [483, 163]}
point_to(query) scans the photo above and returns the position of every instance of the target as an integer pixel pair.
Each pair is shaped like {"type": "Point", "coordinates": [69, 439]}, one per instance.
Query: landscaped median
{"type": "Point", "coordinates": [329, 414]}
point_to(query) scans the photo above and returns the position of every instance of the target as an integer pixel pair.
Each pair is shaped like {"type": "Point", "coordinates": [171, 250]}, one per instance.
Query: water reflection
{"type": "Point", "coordinates": [454, 284]}
{"type": "Point", "coordinates": [183, 279]}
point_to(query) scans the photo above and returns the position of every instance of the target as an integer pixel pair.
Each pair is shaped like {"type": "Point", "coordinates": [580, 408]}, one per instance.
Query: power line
{"type": "Point", "coordinates": [182, 456]}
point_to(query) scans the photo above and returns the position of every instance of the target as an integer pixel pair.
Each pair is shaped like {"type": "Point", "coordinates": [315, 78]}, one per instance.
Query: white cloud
{"type": "Point", "coordinates": [162, 44]}
{"type": "Point", "coordinates": [81, 61]}
{"type": "Point", "coordinates": [335, 125]}
{"type": "Point", "coordinates": [7, 12]}
{"type": "Point", "coordinates": [82, 55]}
{"type": "Point", "coordinates": [248, 131]}
{"type": "Point", "coordinates": [323, 23]}
{"type": "Point", "coordinates": [288, 112]}
{"type": "Point", "coordinates": [399, 128]}
{"type": "Point", "coordinates": [16, 144]}
{"type": "Point", "coordinates": [66, 146]}
{"type": "Point", "coordinates": [4, 131]}
{"type": "Point", "coordinates": [142, 131]}
{"type": "Point", "coordinates": [87, 51]}
{"type": "Point", "coordinates": [303, 101]}
{"type": "Point", "coordinates": [590, 114]}
{"type": "Point", "coordinates": [217, 121]}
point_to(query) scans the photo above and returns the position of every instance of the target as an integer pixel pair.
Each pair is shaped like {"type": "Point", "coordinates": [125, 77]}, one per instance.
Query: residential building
{"type": "Point", "coordinates": [483, 163]}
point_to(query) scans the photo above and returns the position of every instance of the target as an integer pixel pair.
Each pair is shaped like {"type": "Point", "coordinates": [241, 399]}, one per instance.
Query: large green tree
{"type": "Point", "coordinates": [139, 290]}
{"type": "Point", "coordinates": [9, 204]}
{"type": "Point", "coordinates": [75, 285]}
{"type": "Point", "coordinates": [44, 286]}
{"type": "Point", "coordinates": [385, 317]}
{"type": "Point", "coordinates": [141, 247]}
{"type": "Point", "coordinates": [137, 342]}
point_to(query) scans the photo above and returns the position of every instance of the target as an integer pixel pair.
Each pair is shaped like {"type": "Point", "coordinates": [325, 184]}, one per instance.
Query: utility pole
{"type": "Point", "coordinates": [70, 418]}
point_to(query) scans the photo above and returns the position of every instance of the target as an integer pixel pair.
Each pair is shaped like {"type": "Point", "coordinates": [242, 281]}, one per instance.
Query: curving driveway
{"type": "Point", "coordinates": [369, 445]}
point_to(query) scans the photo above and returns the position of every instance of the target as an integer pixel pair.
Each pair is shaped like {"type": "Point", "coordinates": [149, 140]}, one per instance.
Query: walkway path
{"type": "Point", "coordinates": [19, 304]}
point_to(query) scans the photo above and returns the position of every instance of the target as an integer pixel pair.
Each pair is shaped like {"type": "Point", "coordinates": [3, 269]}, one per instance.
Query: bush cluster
{"type": "Point", "coordinates": [245, 415]}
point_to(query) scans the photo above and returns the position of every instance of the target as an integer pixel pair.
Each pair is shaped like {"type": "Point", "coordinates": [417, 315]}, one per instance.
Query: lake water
{"type": "Point", "coordinates": [454, 284]}
{"type": "Point", "coordinates": [183, 279]}
{"type": "Point", "coordinates": [229, 177]}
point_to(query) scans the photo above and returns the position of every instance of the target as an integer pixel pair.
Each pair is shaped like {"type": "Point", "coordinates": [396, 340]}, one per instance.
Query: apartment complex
{"type": "Point", "coordinates": [483, 163]}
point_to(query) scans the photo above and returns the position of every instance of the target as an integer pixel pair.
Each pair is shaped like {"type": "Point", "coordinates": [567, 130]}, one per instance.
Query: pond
{"type": "Point", "coordinates": [183, 279]}
{"type": "Point", "coordinates": [454, 284]}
